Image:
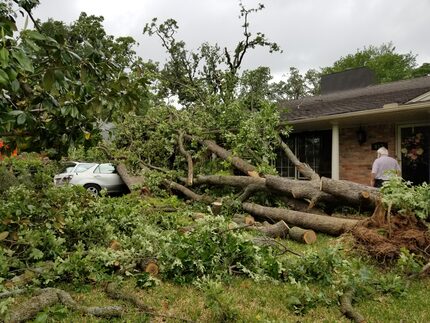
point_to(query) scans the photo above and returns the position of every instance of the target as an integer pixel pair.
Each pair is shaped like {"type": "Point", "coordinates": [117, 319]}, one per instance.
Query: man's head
{"type": "Point", "coordinates": [382, 152]}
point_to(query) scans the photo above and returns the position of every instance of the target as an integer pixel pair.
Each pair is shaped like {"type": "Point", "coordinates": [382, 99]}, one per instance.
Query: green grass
{"type": "Point", "coordinates": [254, 302]}
{"type": "Point", "coordinates": [251, 301]}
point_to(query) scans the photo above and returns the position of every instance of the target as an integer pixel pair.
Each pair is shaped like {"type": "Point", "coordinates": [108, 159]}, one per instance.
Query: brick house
{"type": "Point", "coordinates": [338, 132]}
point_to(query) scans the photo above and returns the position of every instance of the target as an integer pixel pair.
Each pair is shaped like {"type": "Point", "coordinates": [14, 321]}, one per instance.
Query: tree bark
{"type": "Point", "coordinates": [130, 181]}
{"type": "Point", "coordinates": [241, 219]}
{"type": "Point", "coordinates": [236, 181]}
{"type": "Point", "coordinates": [299, 189]}
{"type": "Point", "coordinates": [277, 230]}
{"type": "Point", "coordinates": [320, 223]}
{"type": "Point", "coordinates": [347, 309]}
{"type": "Point", "coordinates": [51, 296]}
{"type": "Point", "coordinates": [299, 205]}
{"type": "Point", "coordinates": [187, 192]}
{"type": "Point", "coordinates": [352, 193]}
{"type": "Point", "coordinates": [188, 157]}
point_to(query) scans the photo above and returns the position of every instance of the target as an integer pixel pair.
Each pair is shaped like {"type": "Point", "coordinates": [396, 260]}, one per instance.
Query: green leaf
{"type": "Point", "coordinates": [4, 235]}
{"type": "Point", "coordinates": [23, 60]}
{"type": "Point", "coordinates": [32, 45]}
{"type": "Point", "coordinates": [12, 74]}
{"type": "Point", "coordinates": [33, 34]}
{"type": "Point", "coordinates": [21, 119]}
{"type": "Point", "coordinates": [48, 80]}
{"type": "Point", "coordinates": [4, 78]}
{"type": "Point", "coordinates": [59, 75]}
{"type": "Point", "coordinates": [36, 254]}
{"type": "Point", "coordinates": [15, 85]}
{"type": "Point", "coordinates": [4, 57]}
{"type": "Point", "coordinates": [74, 112]}
{"type": "Point", "coordinates": [73, 54]}
{"type": "Point", "coordinates": [15, 112]}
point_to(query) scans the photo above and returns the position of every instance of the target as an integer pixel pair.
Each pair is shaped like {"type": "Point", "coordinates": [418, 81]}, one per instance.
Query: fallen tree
{"type": "Point", "coordinates": [325, 224]}
{"type": "Point", "coordinates": [314, 192]}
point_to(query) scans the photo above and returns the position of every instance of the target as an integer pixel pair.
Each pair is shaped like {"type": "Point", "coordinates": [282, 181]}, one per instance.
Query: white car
{"type": "Point", "coordinates": [94, 177]}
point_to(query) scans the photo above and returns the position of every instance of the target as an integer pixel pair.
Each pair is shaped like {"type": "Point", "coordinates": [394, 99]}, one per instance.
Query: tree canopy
{"type": "Point", "coordinates": [383, 60]}
{"type": "Point", "coordinates": [59, 82]}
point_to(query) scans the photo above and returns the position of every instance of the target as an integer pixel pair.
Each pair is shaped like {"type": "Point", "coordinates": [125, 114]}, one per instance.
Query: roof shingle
{"type": "Point", "coordinates": [367, 98]}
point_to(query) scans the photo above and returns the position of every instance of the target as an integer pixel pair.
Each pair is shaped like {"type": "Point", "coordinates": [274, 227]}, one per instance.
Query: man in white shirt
{"type": "Point", "coordinates": [383, 167]}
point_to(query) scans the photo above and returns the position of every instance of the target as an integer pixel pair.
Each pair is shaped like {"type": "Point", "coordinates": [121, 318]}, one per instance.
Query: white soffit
{"type": "Point", "coordinates": [421, 98]}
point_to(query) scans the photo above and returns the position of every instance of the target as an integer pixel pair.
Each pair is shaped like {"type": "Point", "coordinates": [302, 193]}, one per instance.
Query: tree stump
{"type": "Point", "coordinates": [216, 207]}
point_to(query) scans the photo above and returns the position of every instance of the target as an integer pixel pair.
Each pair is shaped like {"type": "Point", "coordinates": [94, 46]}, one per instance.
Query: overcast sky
{"type": "Point", "coordinates": [312, 33]}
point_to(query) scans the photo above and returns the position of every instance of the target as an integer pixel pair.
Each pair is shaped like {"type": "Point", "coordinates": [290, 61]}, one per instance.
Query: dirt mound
{"type": "Point", "coordinates": [383, 235]}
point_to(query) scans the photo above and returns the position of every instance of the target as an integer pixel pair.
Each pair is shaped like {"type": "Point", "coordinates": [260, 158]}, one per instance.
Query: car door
{"type": "Point", "coordinates": [107, 177]}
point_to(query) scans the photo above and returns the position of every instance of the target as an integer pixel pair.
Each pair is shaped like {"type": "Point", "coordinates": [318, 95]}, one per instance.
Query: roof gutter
{"type": "Point", "coordinates": [388, 108]}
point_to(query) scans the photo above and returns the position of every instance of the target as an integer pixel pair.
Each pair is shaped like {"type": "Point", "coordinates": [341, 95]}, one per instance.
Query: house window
{"type": "Point", "coordinates": [312, 148]}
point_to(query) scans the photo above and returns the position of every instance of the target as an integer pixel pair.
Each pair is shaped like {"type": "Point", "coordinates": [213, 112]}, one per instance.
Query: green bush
{"type": "Point", "coordinates": [212, 250]}
{"type": "Point", "coordinates": [405, 198]}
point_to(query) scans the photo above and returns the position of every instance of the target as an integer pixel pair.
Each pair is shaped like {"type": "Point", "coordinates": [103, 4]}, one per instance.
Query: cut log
{"type": "Point", "coordinates": [198, 215]}
{"type": "Point", "coordinates": [277, 230]}
{"type": "Point", "coordinates": [302, 235]}
{"type": "Point", "coordinates": [243, 219]}
{"type": "Point", "coordinates": [150, 266]}
{"type": "Point", "coordinates": [354, 194]}
{"type": "Point", "coordinates": [216, 207]}
{"type": "Point", "coordinates": [319, 223]}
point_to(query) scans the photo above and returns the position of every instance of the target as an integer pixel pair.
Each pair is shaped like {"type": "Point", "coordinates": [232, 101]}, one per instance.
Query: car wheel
{"type": "Point", "coordinates": [93, 189]}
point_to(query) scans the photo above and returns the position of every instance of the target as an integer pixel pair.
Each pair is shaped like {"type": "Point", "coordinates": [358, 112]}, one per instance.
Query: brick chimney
{"type": "Point", "coordinates": [347, 80]}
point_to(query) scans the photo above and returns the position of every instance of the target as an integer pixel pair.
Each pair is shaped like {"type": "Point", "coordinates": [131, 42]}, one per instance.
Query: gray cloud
{"type": "Point", "coordinates": [312, 33]}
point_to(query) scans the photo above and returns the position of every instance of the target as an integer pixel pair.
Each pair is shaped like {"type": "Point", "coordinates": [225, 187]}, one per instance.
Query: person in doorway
{"type": "Point", "coordinates": [383, 168]}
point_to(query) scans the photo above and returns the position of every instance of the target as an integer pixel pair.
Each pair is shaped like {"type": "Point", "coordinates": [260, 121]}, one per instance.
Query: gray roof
{"type": "Point", "coordinates": [367, 98]}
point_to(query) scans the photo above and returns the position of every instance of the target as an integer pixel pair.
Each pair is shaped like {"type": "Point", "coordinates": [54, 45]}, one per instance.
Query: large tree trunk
{"type": "Point", "coordinates": [130, 181]}
{"type": "Point", "coordinates": [300, 189]}
{"type": "Point", "coordinates": [353, 193]}
{"type": "Point", "coordinates": [328, 191]}
{"type": "Point", "coordinates": [320, 223]}
{"type": "Point", "coordinates": [236, 181]}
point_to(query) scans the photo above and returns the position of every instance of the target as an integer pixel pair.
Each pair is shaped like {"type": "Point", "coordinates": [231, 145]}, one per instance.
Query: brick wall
{"type": "Point", "coordinates": [356, 160]}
